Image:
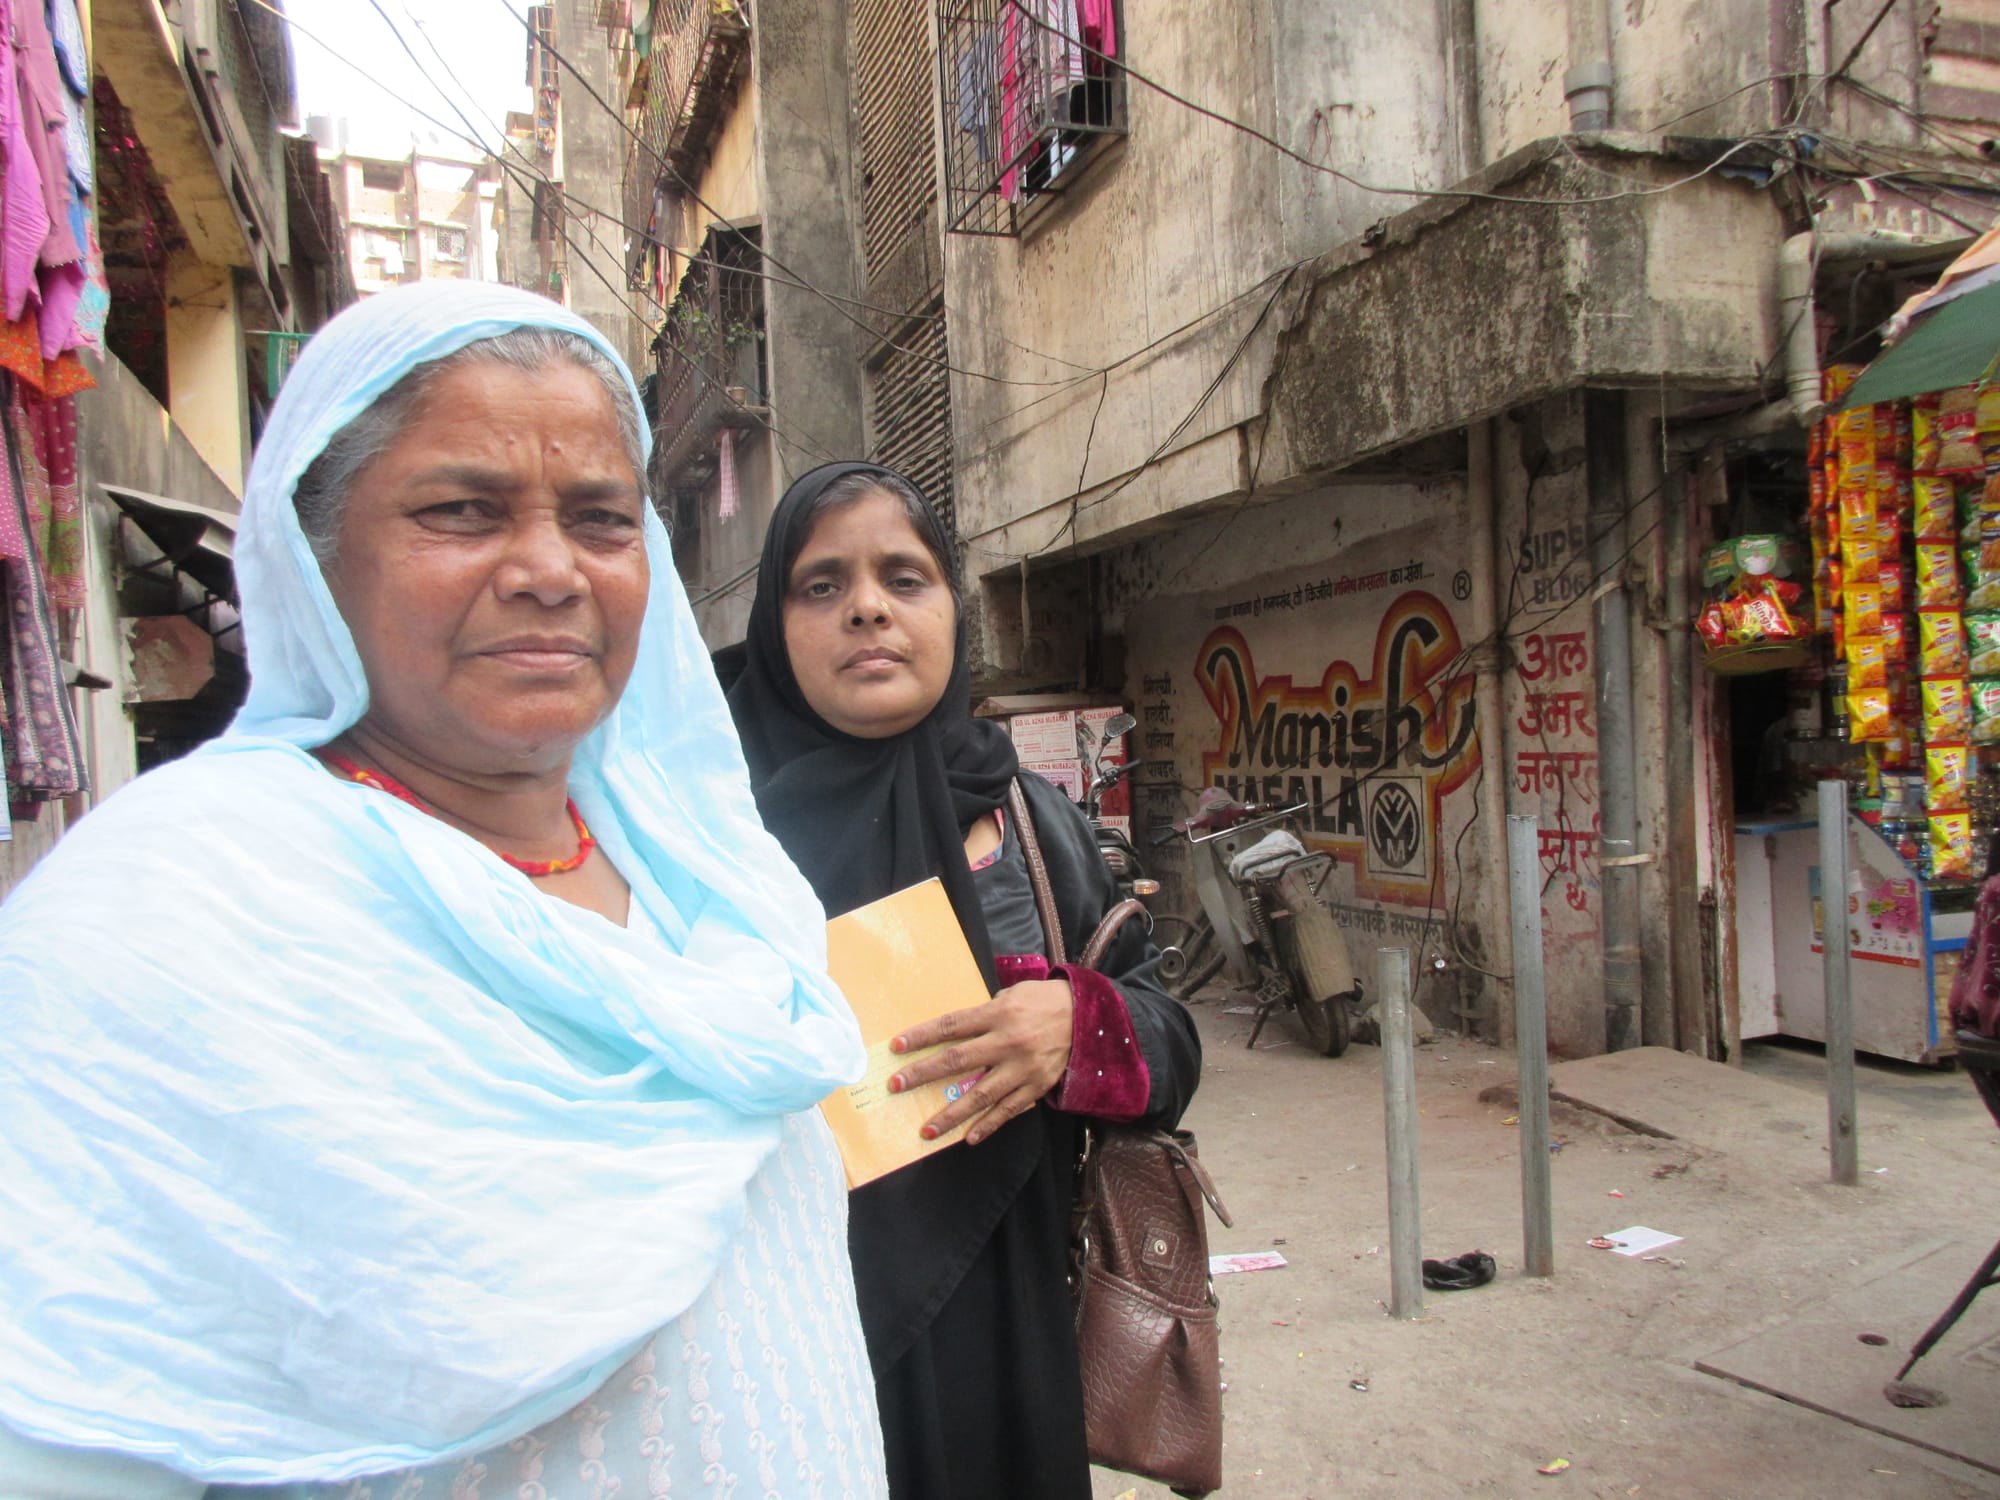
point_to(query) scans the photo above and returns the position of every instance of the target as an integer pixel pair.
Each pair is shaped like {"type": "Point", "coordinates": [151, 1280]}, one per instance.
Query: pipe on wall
{"type": "Point", "coordinates": [1587, 84]}
{"type": "Point", "coordinates": [1799, 260]}
{"type": "Point", "coordinates": [1604, 447]}
{"type": "Point", "coordinates": [1690, 1009]}
{"type": "Point", "coordinates": [1488, 661]}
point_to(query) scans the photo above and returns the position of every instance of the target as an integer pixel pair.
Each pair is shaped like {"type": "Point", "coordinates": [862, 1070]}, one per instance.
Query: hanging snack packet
{"type": "Point", "coordinates": [1857, 505]}
{"type": "Point", "coordinates": [1895, 597]}
{"type": "Point", "coordinates": [1948, 773]}
{"type": "Point", "coordinates": [1982, 589]}
{"type": "Point", "coordinates": [1958, 431]}
{"type": "Point", "coordinates": [1867, 662]}
{"type": "Point", "coordinates": [1986, 711]}
{"type": "Point", "coordinates": [1835, 381]}
{"type": "Point", "coordinates": [1947, 709]}
{"type": "Point", "coordinates": [1924, 433]}
{"type": "Point", "coordinates": [1941, 643]}
{"type": "Point", "coordinates": [1871, 719]}
{"type": "Point", "coordinates": [1713, 624]}
{"type": "Point", "coordinates": [1896, 638]}
{"type": "Point", "coordinates": [1986, 412]}
{"type": "Point", "coordinates": [1934, 500]}
{"type": "Point", "coordinates": [1951, 846]}
{"type": "Point", "coordinates": [1862, 607]}
{"type": "Point", "coordinates": [1889, 512]}
{"type": "Point", "coordinates": [1982, 644]}
{"type": "Point", "coordinates": [1860, 553]}
{"type": "Point", "coordinates": [1937, 575]}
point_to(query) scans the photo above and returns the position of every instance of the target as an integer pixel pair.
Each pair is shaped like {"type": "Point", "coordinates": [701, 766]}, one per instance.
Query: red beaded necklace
{"type": "Point", "coordinates": [382, 781]}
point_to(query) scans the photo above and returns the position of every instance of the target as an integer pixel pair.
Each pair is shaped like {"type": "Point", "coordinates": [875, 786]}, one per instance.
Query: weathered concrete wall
{"type": "Point", "coordinates": [806, 183]}
{"type": "Point", "coordinates": [1324, 655]}
{"type": "Point", "coordinates": [593, 160]}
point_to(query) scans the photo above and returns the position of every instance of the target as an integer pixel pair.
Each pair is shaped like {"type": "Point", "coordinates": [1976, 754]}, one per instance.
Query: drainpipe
{"type": "Point", "coordinates": [1488, 661]}
{"type": "Point", "coordinates": [1587, 84]}
{"type": "Point", "coordinates": [1684, 915]}
{"type": "Point", "coordinates": [1799, 260]}
{"type": "Point", "coordinates": [1617, 767]}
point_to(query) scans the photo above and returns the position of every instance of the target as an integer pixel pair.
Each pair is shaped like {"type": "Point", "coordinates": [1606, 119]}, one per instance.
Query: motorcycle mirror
{"type": "Point", "coordinates": [1119, 724]}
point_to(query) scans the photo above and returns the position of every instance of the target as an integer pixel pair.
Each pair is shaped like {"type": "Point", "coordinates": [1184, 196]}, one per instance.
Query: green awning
{"type": "Point", "coordinates": [1956, 344]}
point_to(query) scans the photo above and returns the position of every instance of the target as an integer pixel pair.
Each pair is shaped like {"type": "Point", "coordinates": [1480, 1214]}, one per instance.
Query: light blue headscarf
{"type": "Point", "coordinates": [328, 1145]}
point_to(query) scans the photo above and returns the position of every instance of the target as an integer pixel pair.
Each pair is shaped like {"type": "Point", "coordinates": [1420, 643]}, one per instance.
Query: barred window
{"type": "Point", "coordinates": [1031, 88]}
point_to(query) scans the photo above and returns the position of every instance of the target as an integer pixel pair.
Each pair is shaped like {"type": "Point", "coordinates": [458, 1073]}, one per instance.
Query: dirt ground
{"type": "Point", "coordinates": [1597, 1365]}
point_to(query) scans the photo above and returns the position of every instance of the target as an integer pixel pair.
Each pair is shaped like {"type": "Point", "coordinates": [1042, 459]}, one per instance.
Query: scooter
{"type": "Point", "coordinates": [1264, 921]}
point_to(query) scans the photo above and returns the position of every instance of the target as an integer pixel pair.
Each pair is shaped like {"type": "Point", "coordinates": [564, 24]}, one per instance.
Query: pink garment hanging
{"type": "Point", "coordinates": [44, 110]}
{"type": "Point", "coordinates": [24, 214]}
{"type": "Point", "coordinates": [1100, 32]}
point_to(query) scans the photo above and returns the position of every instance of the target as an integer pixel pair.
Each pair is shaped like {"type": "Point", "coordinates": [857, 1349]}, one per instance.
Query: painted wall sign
{"type": "Point", "coordinates": [1373, 747]}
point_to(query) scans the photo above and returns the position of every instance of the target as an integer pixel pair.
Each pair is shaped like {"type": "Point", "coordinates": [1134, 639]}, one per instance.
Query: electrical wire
{"type": "Point", "coordinates": [1125, 69]}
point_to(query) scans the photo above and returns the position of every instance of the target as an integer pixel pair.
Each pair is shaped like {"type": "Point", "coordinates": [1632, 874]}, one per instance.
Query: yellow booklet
{"type": "Point", "coordinates": [900, 961]}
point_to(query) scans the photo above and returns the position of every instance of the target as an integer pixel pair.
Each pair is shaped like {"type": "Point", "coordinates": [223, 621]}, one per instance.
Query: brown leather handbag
{"type": "Point", "coordinates": [1145, 1305]}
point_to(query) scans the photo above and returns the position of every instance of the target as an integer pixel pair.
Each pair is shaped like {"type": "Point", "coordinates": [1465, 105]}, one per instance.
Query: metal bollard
{"type": "Point", "coordinates": [1531, 1042]}
{"type": "Point", "coordinates": [1843, 1146]}
{"type": "Point", "coordinates": [1399, 1117]}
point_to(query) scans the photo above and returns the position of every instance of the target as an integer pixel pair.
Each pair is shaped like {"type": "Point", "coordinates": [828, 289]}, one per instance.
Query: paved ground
{"type": "Point", "coordinates": [1597, 1366]}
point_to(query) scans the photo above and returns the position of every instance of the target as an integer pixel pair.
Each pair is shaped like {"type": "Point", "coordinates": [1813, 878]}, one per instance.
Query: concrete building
{"type": "Point", "coordinates": [425, 216]}
{"type": "Point", "coordinates": [555, 213]}
{"type": "Point", "coordinates": [222, 250]}
{"type": "Point", "coordinates": [1364, 439]}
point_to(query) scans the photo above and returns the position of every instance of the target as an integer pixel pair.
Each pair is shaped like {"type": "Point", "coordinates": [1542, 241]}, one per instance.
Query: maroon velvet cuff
{"type": "Point", "coordinates": [1107, 1077]}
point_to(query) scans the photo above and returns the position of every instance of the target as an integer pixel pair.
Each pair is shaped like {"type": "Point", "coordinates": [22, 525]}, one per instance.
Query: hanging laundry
{"type": "Point", "coordinates": [66, 31]}
{"type": "Point", "coordinates": [54, 508]}
{"type": "Point", "coordinates": [43, 752]}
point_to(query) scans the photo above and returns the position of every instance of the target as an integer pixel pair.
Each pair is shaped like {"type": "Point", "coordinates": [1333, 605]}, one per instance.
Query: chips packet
{"type": "Point", "coordinates": [1947, 709]}
{"type": "Point", "coordinates": [1895, 596]}
{"type": "Point", "coordinates": [1958, 432]}
{"type": "Point", "coordinates": [1937, 575]}
{"type": "Point", "coordinates": [1951, 846]}
{"type": "Point", "coordinates": [1871, 717]}
{"type": "Point", "coordinates": [1948, 773]}
{"type": "Point", "coordinates": [1941, 643]}
{"type": "Point", "coordinates": [1985, 710]}
{"type": "Point", "coordinates": [1923, 433]}
{"type": "Point", "coordinates": [1982, 644]}
{"type": "Point", "coordinates": [1861, 607]}
{"type": "Point", "coordinates": [1934, 506]}
{"type": "Point", "coordinates": [1896, 635]}
{"type": "Point", "coordinates": [1867, 662]}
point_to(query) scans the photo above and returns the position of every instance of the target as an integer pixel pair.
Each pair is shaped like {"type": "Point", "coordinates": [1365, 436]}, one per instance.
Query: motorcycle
{"type": "Point", "coordinates": [1121, 858]}
{"type": "Point", "coordinates": [1264, 920]}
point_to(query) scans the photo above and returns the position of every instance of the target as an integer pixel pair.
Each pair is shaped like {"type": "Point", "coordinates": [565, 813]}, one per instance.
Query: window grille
{"type": "Point", "coordinates": [544, 72]}
{"type": "Point", "coordinates": [910, 397]}
{"type": "Point", "coordinates": [450, 243]}
{"type": "Point", "coordinates": [1030, 88]}
{"type": "Point", "coordinates": [712, 355]}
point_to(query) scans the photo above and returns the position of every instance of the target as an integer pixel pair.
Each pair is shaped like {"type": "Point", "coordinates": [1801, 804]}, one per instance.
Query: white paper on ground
{"type": "Point", "coordinates": [1639, 1240]}
{"type": "Point", "coordinates": [1254, 1260]}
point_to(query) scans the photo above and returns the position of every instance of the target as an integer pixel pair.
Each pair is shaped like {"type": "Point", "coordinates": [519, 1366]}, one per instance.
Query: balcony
{"type": "Point", "coordinates": [1032, 93]}
{"type": "Point", "coordinates": [700, 53]}
{"type": "Point", "coordinates": [711, 357]}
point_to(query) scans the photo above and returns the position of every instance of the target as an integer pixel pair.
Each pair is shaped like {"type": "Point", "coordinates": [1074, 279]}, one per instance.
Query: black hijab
{"type": "Point", "coordinates": [863, 819]}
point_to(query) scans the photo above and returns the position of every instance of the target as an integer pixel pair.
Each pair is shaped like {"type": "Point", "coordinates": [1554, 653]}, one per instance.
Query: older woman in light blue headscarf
{"type": "Point", "coordinates": [418, 1080]}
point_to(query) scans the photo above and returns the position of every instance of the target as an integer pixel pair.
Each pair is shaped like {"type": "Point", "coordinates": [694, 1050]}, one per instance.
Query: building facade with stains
{"type": "Point", "coordinates": [1349, 389]}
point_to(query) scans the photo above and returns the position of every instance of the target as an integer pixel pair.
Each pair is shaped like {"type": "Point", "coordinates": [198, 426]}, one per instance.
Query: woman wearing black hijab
{"type": "Point", "coordinates": [854, 708]}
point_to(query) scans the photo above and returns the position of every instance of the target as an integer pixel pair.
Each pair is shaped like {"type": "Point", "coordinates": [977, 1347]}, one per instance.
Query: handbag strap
{"type": "Point", "coordinates": [1038, 871]}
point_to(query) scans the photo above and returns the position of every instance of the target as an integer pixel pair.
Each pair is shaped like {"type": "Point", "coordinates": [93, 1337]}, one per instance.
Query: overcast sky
{"type": "Point", "coordinates": [484, 47]}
